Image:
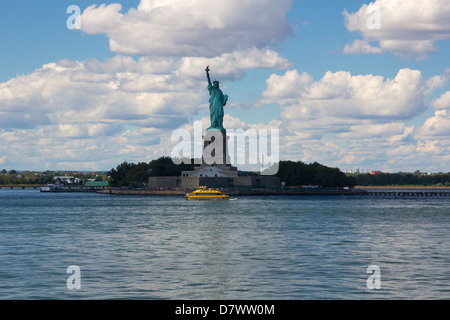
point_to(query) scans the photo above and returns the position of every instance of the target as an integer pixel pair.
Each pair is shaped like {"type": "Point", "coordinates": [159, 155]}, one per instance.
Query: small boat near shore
{"type": "Point", "coordinates": [203, 193]}
{"type": "Point", "coordinates": [46, 189]}
{"type": "Point", "coordinates": [51, 188]}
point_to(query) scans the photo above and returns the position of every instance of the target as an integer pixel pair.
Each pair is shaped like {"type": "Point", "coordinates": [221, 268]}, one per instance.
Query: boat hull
{"type": "Point", "coordinates": [200, 198]}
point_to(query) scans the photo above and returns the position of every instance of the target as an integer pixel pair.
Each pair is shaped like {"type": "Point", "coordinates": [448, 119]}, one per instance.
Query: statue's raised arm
{"type": "Point", "coordinates": [207, 75]}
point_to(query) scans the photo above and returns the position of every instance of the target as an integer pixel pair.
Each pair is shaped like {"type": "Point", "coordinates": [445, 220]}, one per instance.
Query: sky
{"type": "Point", "coordinates": [356, 85]}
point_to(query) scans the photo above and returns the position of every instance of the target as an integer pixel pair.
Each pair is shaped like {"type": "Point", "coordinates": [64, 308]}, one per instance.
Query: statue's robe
{"type": "Point", "coordinates": [217, 101]}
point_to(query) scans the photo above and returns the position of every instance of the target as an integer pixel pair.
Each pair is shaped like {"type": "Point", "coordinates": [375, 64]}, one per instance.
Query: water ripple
{"type": "Point", "coordinates": [249, 248]}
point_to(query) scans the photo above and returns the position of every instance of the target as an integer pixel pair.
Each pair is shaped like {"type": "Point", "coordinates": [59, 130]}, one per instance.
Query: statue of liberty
{"type": "Point", "coordinates": [217, 100]}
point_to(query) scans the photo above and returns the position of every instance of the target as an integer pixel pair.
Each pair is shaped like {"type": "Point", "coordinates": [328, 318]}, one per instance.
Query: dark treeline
{"type": "Point", "coordinates": [299, 173]}
{"type": "Point", "coordinates": [131, 174]}
{"type": "Point", "coordinates": [403, 179]}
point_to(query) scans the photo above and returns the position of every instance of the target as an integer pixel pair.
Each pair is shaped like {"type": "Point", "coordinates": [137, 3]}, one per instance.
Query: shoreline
{"type": "Point", "coordinates": [392, 191]}
{"type": "Point", "coordinates": [357, 191]}
{"type": "Point", "coordinates": [402, 187]}
{"type": "Point", "coordinates": [243, 192]}
{"type": "Point", "coordinates": [33, 186]}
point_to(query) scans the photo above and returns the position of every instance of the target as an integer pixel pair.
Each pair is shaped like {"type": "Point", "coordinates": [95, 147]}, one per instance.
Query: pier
{"type": "Point", "coordinates": [20, 187]}
{"type": "Point", "coordinates": [410, 193]}
{"type": "Point", "coordinates": [67, 189]}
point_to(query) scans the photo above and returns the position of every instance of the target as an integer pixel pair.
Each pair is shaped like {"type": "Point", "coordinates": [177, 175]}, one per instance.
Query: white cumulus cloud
{"type": "Point", "coordinates": [443, 102]}
{"type": "Point", "coordinates": [403, 27]}
{"type": "Point", "coordinates": [343, 95]}
{"type": "Point", "coordinates": [199, 28]}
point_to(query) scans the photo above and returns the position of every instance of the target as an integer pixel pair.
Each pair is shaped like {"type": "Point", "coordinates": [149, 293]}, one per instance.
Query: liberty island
{"type": "Point", "coordinates": [215, 169]}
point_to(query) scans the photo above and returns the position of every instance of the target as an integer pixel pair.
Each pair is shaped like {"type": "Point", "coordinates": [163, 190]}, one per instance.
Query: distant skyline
{"type": "Point", "coordinates": [350, 84]}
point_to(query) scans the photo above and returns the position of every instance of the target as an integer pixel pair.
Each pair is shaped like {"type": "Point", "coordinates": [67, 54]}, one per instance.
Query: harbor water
{"type": "Point", "coordinates": [262, 247]}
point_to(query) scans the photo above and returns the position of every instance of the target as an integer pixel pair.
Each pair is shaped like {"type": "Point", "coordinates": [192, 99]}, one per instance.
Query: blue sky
{"type": "Point", "coordinates": [341, 93]}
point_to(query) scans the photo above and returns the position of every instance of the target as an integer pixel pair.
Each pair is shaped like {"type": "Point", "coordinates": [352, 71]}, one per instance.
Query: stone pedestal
{"type": "Point", "coordinates": [216, 170]}
{"type": "Point", "coordinates": [215, 159]}
{"type": "Point", "coordinates": [215, 148]}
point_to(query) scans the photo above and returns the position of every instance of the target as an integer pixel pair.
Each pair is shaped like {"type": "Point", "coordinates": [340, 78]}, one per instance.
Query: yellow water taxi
{"type": "Point", "coordinates": [206, 194]}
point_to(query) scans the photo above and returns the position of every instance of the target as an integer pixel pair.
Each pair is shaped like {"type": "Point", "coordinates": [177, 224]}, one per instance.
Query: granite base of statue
{"type": "Point", "coordinates": [215, 151]}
